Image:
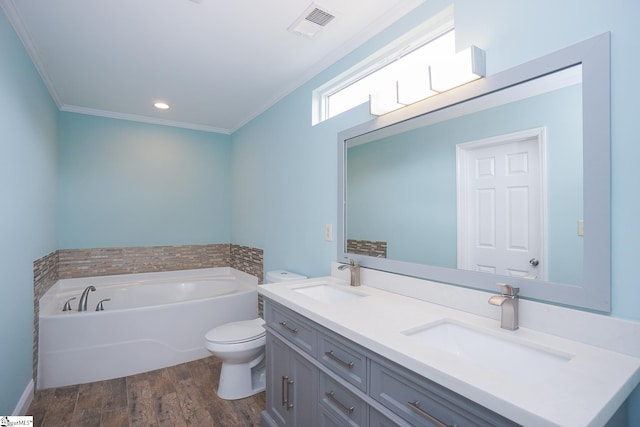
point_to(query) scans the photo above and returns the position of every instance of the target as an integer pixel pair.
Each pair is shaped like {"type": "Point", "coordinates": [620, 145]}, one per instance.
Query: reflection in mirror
{"type": "Point", "coordinates": [488, 185]}
{"type": "Point", "coordinates": [515, 164]}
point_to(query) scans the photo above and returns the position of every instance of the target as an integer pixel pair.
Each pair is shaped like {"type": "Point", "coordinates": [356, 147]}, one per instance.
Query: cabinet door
{"type": "Point", "coordinates": [303, 399]}
{"type": "Point", "coordinates": [292, 384]}
{"type": "Point", "coordinates": [277, 355]}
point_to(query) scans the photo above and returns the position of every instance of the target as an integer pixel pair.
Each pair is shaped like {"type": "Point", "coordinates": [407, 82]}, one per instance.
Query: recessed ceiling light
{"type": "Point", "coordinates": [161, 105]}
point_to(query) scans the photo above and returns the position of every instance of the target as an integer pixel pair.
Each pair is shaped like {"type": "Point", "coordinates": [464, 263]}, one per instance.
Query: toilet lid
{"type": "Point", "coordinates": [235, 332]}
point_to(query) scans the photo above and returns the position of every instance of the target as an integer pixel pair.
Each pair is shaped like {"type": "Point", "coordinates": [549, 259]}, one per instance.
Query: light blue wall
{"type": "Point", "coordinates": [133, 184]}
{"type": "Point", "coordinates": [27, 205]}
{"type": "Point", "coordinates": [284, 169]}
{"type": "Point", "coordinates": [284, 186]}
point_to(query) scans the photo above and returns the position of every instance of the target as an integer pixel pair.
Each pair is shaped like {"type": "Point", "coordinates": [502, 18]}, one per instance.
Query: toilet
{"type": "Point", "coordinates": [240, 346]}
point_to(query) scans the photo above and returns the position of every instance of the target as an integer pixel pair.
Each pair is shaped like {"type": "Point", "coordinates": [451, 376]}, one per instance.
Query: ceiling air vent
{"type": "Point", "coordinates": [312, 20]}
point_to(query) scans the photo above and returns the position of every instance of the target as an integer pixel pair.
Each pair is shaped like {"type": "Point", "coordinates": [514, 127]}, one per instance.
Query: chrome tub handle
{"type": "Point", "coordinates": [100, 306]}
{"type": "Point", "coordinates": [67, 305]}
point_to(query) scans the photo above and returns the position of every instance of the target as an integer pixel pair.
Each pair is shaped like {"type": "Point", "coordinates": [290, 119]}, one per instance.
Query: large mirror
{"type": "Point", "coordinates": [503, 180]}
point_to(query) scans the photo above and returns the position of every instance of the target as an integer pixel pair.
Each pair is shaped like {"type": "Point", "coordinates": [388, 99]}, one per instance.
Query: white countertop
{"type": "Point", "coordinates": [584, 391]}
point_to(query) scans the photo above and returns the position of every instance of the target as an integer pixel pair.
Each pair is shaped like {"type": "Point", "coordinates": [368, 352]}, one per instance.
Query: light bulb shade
{"type": "Point", "coordinates": [457, 70]}
{"type": "Point", "coordinates": [384, 100]}
{"type": "Point", "coordinates": [414, 87]}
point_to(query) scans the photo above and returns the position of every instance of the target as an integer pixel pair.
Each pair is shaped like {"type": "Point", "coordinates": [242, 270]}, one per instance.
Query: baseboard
{"type": "Point", "coordinates": [25, 400]}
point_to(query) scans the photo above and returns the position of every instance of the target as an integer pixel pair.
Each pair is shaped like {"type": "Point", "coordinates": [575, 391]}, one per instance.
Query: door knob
{"type": "Point", "coordinates": [534, 262]}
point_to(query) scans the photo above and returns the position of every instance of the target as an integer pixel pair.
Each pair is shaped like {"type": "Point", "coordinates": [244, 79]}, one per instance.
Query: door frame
{"type": "Point", "coordinates": [462, 167]}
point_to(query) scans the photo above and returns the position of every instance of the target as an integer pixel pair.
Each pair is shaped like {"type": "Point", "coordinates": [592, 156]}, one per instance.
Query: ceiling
{"type": "Point", "coordinates": [217, 63]}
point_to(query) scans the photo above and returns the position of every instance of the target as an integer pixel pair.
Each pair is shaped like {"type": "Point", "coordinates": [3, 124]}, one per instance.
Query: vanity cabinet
{"type": "Point", "coordinates": [316, 377]}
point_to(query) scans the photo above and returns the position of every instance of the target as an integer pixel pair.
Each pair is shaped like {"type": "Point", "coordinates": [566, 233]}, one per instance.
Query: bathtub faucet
{"type": "Point", "coordinates": [85, 295]}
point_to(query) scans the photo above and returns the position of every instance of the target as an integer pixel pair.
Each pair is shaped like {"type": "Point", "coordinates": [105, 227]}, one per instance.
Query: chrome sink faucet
{"type": "Point", "coordinates": [354, 269]}
{"type": "Point", "coordinates": [508, 301]}
{"type": "Point", "coordinates": [82, 306]}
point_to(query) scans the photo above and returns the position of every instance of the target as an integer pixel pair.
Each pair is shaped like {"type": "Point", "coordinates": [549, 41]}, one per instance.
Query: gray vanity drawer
{"type": "Point", "coordinates": [376, 419]}
{"type": "Point", "coordinates": [291, 326]}
{"type": "Point", "coordinates": [330, 419]}
{"type": "Point", "coordinates": [344, 358]}
{"type": "Point", "coordinates": [417, 401]}
{"type": "Point", "coordinates": [344, 408]}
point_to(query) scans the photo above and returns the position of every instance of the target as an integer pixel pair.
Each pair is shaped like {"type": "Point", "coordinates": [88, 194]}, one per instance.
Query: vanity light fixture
{"type": "Point", "coordinates": [441, 76]}
{"type": "Point", "coordinates": [415, 87]}
{"type": "Point", "coordinates": [457, 70]}
{"type": "Point", "coordinates": [385, 100]}
{"type": "Point", "coordinates": [161, 105]}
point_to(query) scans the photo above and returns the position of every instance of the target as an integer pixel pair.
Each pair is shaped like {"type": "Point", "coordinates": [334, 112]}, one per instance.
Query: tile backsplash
{"type": "Point", "coordinates": [72, 263]}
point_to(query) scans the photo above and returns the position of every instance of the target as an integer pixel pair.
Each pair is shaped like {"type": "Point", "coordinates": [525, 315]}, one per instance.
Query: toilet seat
{"type": "Point", "coordinates": [237, 332]}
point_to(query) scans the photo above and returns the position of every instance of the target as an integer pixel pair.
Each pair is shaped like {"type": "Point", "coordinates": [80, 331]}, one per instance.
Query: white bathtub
{"type": "Point", "coordinates": [153, 320]}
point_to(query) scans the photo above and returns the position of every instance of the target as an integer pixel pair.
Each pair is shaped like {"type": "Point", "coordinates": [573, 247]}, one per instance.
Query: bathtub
{"type": "Point", "coordinates": [152, 321]}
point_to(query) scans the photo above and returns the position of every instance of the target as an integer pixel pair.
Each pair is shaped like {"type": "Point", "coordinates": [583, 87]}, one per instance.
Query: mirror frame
{"type": "Point", "coordinates": [595, 292]}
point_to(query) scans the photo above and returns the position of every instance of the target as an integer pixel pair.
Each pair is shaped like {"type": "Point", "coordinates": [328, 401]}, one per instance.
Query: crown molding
{"type": "Point", "coordinates": [23, 34]}
{"type": "Point", "coordinates": [142, 119]}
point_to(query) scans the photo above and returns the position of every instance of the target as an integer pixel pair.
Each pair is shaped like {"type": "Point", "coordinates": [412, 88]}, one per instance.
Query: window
{"type": "Point", "coordinates": [414, 51]}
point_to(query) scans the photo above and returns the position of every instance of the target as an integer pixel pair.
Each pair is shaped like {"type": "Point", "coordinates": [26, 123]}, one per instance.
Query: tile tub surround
{"type": "Point", "coordinates": [251, 261]}
{"type": "Point", "coordinates": [45, 274]}
{"type": "Point", "coordinates": [602, 370]}
{"type": "Point", "coordinates": [247, 259]}
{"type": "Point", "coordinates": [74, 263]}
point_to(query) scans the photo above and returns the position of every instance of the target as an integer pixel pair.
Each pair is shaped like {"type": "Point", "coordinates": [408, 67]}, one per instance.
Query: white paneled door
{"type": "Point", "coordinates": [501, 205]}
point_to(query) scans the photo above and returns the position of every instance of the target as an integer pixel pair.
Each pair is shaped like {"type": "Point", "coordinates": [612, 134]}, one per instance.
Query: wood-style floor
{"type": "Point", "coordinates": [182, 395]}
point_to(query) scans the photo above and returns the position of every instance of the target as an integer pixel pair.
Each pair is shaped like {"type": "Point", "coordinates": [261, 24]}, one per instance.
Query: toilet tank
{"type": "Point", "coordinates": [276, 276]}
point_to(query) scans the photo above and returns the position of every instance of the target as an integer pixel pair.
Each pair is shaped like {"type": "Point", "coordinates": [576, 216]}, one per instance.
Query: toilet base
{"type": "Point", "coordinates": [240, 380]}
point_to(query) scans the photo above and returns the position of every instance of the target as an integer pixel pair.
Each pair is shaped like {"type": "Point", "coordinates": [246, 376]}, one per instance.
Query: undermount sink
{"type": "Point", "coordinates": [502, 353]}
{"type": "Point", "coordinates": [329, 294]}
